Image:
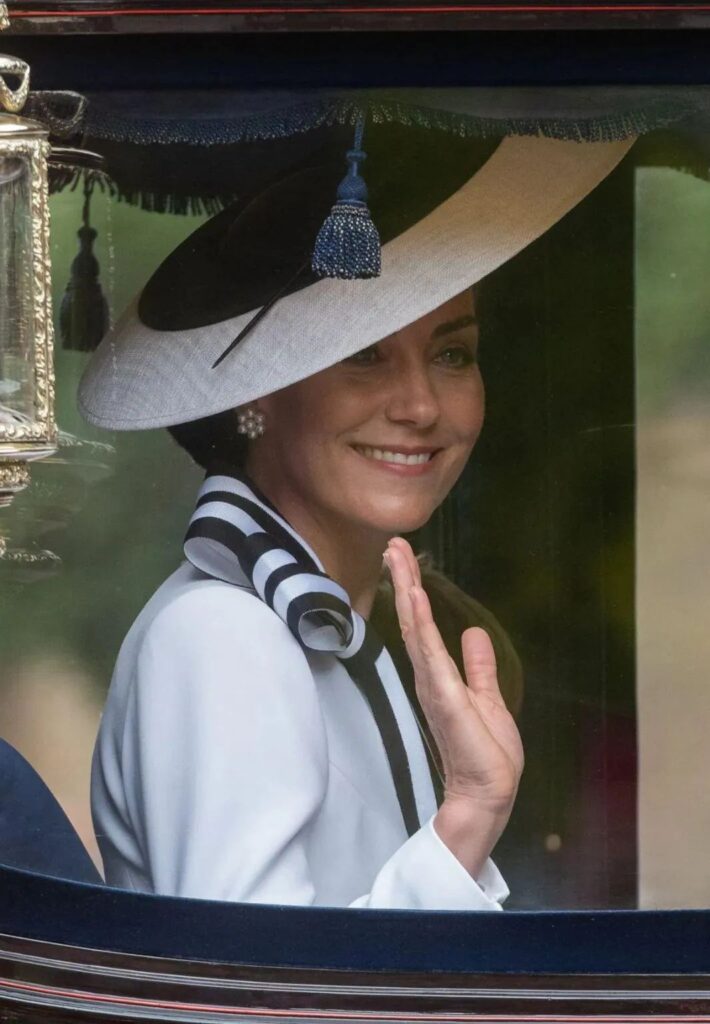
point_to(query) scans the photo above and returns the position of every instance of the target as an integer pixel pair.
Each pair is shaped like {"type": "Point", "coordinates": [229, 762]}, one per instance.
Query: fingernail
{"type": "Point", "coordinates": [385, 559]}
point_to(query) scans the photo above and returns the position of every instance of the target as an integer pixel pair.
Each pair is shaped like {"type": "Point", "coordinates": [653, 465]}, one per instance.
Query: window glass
{"type": "Point", "coordinates": [672, 378]}
{"type": "Point", "coordinates": [574, 533]}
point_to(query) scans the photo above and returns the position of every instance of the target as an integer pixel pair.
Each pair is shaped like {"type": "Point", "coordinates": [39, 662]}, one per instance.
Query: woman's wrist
{"type": "Point", "coordinates": [469, 831]}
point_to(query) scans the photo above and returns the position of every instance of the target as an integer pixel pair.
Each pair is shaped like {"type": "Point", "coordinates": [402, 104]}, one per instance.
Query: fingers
{"type": "Point", "coordinates": [403, 581]}
{"type": "Point", "coordinates": [429, 645]}
{"type": "Point", "coordinates": [421, 636]}
{"type": "Point", "coordinates": [436, 676]}
{"type": "Point", "coordinates": [429, 654]}
{"type": "Point", "coordinates": [401, 561]}
{"type": "Point", "coordinates": [399, 544]}
{"type": "Point", "coordinates": [480, 661]}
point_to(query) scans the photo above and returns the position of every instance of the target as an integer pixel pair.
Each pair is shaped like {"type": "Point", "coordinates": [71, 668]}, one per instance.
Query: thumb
{"type": "Point", "coordinates": [479, 661]}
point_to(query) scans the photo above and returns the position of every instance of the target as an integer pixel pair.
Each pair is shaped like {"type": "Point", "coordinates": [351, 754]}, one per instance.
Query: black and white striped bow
{"type": "Point", "coordinates": [236, 535]}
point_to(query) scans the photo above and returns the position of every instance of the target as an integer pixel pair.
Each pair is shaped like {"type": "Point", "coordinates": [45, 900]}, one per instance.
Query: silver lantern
{"type": "Point", "coordinates": [27, 427]}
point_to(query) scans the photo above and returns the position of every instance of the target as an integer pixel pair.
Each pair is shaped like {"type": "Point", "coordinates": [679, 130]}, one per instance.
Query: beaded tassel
{"type": "Point", "coordinates": [348, 243]}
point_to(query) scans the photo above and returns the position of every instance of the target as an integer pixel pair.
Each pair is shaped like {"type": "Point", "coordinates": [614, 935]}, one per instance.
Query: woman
{"type": "Point", "coordinates": [216, 719]}
{"type": "Point", "coordinates": [257, 743]}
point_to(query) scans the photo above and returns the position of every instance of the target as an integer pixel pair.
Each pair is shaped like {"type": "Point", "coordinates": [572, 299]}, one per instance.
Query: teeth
{"type": "Point", "coordinates": [382, 455]}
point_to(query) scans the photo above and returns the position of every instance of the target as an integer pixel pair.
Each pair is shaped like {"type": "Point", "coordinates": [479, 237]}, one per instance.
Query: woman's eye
{"type": "Point", "coordinates": [365, 357]}
{"type": "Point", "coordinates": [456, 356]}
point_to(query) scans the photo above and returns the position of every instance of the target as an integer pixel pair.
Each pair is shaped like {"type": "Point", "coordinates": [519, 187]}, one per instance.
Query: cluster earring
{"type": "Point", "coordinates": [251, 423]}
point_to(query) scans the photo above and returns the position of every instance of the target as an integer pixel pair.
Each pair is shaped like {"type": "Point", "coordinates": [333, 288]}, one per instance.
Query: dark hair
{"type": "Point", "coordinates": [213, 440]}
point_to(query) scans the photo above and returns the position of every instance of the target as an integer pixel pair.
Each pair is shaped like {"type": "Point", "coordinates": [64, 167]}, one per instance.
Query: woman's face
{"type": "Point", "coordinates": [379, 439]}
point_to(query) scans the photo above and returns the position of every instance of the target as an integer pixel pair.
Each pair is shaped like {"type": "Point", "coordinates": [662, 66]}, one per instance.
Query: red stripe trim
{"type": "Point", "coordinates": [438, 9]}
{"type": "Point", "coordinates": [552, 1018]}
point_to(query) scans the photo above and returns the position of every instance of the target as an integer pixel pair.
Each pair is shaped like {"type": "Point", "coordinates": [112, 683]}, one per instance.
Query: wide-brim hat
{"type": "Point", "coordinates": [453, 200]}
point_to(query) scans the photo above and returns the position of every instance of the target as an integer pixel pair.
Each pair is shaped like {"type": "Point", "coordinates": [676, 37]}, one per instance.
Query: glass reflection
{"type": "Point", "coordinates": [673, 467]}
{"type": "Point", "coordinates": [579, 524]}
{"type": "Point", "coordinates": [16, 323]}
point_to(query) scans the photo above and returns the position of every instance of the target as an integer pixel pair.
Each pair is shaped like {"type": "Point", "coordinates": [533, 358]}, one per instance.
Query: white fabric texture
{"type": "Point", "coordinates": [231, 765]}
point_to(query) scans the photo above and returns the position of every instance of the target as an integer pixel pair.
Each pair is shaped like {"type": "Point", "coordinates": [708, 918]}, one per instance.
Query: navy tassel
{"type": "Point", "coordinates": [84, 314]}
{"type": "Point", "coordinates": [348, 243]}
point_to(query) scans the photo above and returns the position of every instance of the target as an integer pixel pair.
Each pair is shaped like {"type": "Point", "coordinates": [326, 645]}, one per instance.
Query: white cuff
{"type": "Point", "coordinates": [487, 892]}
{"type": "Point", "coordinates": [424, 874]}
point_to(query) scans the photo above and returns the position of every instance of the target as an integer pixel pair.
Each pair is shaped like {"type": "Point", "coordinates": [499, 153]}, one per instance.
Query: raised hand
{"type": "Point", "coordinates": [477, 737]}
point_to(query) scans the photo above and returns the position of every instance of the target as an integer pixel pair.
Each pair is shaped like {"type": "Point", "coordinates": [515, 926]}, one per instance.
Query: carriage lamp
{"type": "Point", "coordinates": [27, 427]}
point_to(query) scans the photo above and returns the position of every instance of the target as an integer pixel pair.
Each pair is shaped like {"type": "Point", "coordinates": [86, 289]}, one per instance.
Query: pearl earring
{"type": "Point", "coordinates": [251, 423]}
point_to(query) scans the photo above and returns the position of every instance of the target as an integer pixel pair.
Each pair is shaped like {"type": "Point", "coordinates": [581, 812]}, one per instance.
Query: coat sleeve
{"type": "Point", "coordinates": [225, 760]}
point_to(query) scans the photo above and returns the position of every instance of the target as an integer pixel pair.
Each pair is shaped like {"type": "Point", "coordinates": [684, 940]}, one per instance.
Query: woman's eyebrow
{"type": "Point", "coordinates": [453, 325]}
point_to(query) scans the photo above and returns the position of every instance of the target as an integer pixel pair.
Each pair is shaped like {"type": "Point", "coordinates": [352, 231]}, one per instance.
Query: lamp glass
{"type": "Point", "coordinates": [27, 428]}
{"type": "Point", "coordinates": [17, 355]}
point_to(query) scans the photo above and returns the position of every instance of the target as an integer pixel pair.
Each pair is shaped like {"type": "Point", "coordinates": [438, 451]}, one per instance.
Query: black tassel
{"type": "Point", "coordinates": [84, 314]}
{"type": "Point", "coordinates": [348, 243]}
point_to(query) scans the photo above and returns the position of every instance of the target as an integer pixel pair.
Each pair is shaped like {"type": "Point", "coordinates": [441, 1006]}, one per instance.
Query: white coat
{"type": "Point", "coordinates": [231, 765]}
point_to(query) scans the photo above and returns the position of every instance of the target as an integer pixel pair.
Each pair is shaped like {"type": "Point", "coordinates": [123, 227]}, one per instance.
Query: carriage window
{"type": "Point", "coordinates": [672, 382]}
{"type": "Point", "coordinates": [574, 534]}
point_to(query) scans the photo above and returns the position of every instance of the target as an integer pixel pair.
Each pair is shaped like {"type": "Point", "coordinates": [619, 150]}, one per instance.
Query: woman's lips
{"type": "Point", "coordinates": [411, 462]}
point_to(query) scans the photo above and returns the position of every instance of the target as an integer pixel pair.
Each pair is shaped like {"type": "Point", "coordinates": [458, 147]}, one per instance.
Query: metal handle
{"type": "Point", "coordinates": [13, 100]}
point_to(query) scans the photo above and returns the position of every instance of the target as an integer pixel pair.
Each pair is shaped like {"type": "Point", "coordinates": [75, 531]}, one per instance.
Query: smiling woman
{"type": "Point", "coordinates": [370, 447]}
{"type": "Point", "coordinates": [288, 768]}
{"type": "Point", "coordinates": [258, 743]}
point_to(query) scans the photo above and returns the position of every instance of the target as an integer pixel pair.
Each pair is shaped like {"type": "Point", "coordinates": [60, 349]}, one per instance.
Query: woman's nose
{"type": "Point", "coordinates": [412, 397]}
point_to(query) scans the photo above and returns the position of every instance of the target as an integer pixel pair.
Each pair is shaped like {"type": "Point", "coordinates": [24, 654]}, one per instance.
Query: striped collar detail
{"type": "Point", "coordinates": [236, 535]}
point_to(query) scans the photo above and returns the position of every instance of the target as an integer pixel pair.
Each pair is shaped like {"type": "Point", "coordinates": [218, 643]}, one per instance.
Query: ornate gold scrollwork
{"type": "Point", "coordinates": [36, 436]}
{"type": "Point", "coordinates": [42, 427]}
{"type": "Point", "coordinates": [13, 100]}
{"type": "Point", "coordinates": [14, 477]}
{"type": "Point", "coordinates": [32, 435]}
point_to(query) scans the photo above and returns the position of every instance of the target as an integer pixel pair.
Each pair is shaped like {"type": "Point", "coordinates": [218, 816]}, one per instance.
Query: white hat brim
{"type": "Point", "coordinates": [140, 378]}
